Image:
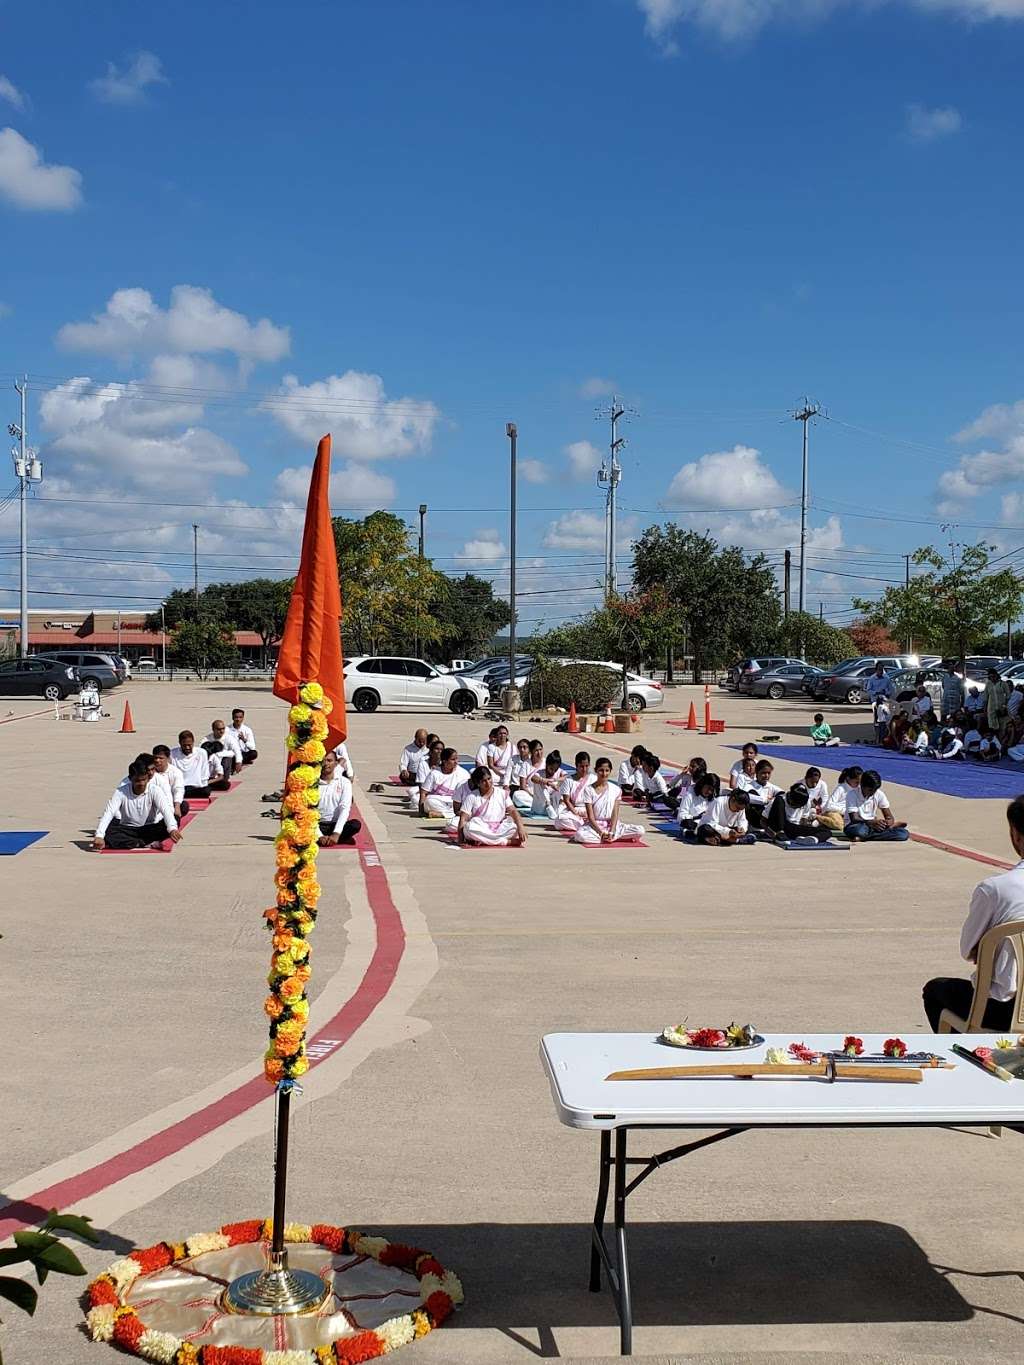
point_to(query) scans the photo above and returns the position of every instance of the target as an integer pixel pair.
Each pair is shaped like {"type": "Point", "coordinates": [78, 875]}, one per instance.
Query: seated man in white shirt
{"type": "Point", "coordinates": [230, 753]}
{"type": "Point", "coordinates": [724, 822]}
{"type": "Point", "coordinates": [138, 814]}
{"type": "Point", "coordinates": [410, 757]}
{"type": "Point", "coordinates": [336, 827]}
{"type": "Point", "coordinates": [194, 765]}
{"type": "Point", "coordinates": [438, 792]}
{"type": "Point", "coordinates": [165, 772]}
{"type": "Point", "coordinates": [243, 733]}
{"type": "Point", "coordinates": [430, 760]}
{"type": "Point", "coordinates": [996, 900]}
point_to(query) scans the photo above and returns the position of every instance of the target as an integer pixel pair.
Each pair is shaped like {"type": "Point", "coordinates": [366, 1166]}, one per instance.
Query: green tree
{"type": "Point", "coordinates": [44, 1253]}
{"type": "Point", "coordinates": [469, 616]}
{"type": "Point", "coordinates": [814, 640]}
{"type": "Point", "coordinates": [386, 589]}
{"type": "Point", "coordinates": [724, 603]}
{"type": "Point", "coordinates": [202, 645]}
{"type": "Point", "coordinates": [179, 605]}
{"type": "Point", "coordinates": [952, 604]}
{"type": "Point", "coordinates": [256, 604]}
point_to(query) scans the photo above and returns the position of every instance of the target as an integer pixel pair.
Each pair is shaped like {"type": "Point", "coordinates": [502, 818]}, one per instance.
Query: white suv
{"type": "Point", "coordinates": [384, 680]}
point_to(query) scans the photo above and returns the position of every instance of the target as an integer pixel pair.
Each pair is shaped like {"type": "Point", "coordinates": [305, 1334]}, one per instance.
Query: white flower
{"type": "Point", "coordinates": [397, 1332]}
{"type": "Point", "coordinates": [101, 1322]}
{"type": "Point", "coordinates": [430, 1284]}
{"type": "Point", "coordinates": [370, 1246]}
{"type": "Point", "coordinates": [289, 1358]}
{"type": "Point", "coordinates": [452, 1286]}
{"type": "Point", "coordinates": [124, 1272]}
{"type": "Point", "coordinates": [777, 1056]}
{"type": "Point", "coordinates": [200, 1242]}
{"type": "Point", "coordinates": [160, 1346]}
{"type": "Point", "coordinates": [298, 1232]}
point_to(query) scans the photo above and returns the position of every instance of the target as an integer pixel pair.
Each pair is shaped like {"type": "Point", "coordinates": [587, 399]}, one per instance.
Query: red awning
{"type": "Point", "coordinates": [107, 639]}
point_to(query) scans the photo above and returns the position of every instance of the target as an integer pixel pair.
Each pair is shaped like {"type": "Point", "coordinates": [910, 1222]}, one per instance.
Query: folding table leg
{"type": "Point", "coordinates": [599, 1211]}
{"type": "Point", "coordinates": [624, 1299]}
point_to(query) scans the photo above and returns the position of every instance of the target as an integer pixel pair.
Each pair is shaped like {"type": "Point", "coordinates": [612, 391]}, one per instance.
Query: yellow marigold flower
{"type": "Point", "coordinates": [291, 742]}
{"type": "Point", "coordinates": [311, 692]}
{"type": "Point", "coordinates": [298, 1066]}
{"type": "Point", "coordinates": [300, 1009]}
{"type": "Point", "coordinates": [299, 950]}
{"type": "Point", "coordinates": [300, 777]}
{"type": "Point", "coordinates": [311, 752]}
{"type": "Point", "coordinates": [288, 832]}
{"type": "Point", "coordinates": [420, 1323]}
{"type": "Point", "coordinates": [327, 706]}
{"type": "Point", "coordinates": [299, 714]}
{"type": "Point", "coordinates": [319, 727]}
{"type": "Point", "coordinates": [312, 796]}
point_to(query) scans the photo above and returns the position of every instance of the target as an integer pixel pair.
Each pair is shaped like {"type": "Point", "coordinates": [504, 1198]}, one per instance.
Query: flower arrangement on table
{"type": "Point", "coordinates": [733, 1035]}
{"type": "Point", "coordinates": [111, 1318]}
{"type": "Point", "coordinates": [292, 919]}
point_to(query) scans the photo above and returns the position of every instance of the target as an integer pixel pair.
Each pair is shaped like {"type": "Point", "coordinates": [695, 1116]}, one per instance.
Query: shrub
{"type": "Point", "coordinates": [588, 685]}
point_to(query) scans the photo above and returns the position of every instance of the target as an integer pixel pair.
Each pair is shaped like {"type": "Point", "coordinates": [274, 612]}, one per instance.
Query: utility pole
{"type": "Point", "coordinates": [611, 474]}
{"type": "Point", "coordinates": [163, 641]}
{"type": "Point", "coordinates": [909, 642]}
{"type": "Point", "coordinates": [821, 613]}
{"type": "Point", "coordinates": [787, 565]}
{"type": "Point", "coordinates": [28, 470]}
{"type": "Point", "coordinates": [195, 566]}
{"type": "Point", "coordinates": [804, 414]}
{"type": "Point", "coordinates": [419, 595]}
{"type": "Point", "coordinates": [512, 432]}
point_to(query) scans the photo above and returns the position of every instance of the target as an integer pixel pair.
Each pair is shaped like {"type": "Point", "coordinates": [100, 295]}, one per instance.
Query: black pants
{"type": "Point", "coordinates": [249, 756]}
{"type": "Point", "coordinates": [776, 821]}
{"type": "Point", "coordinates": [953, 993]}
{"type": "Point", "coordinates": [134, 836]}
{"type": "Point", "coordinates": [347, 833]}
{"type": "Point", "coordinates": [183, 808]}
{"type": "Point", "coordinates": [197, 794]}
{"type": "Point", "coordinates": [227, 763]}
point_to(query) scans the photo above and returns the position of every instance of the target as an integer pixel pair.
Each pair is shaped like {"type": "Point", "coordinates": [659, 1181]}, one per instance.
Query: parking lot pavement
{"type": "Point", "coordinates": [142, 981]}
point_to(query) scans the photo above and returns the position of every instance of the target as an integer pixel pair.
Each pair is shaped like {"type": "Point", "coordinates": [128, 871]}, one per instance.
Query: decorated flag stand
{"type": "Point", "coordinates": [297, 1309]}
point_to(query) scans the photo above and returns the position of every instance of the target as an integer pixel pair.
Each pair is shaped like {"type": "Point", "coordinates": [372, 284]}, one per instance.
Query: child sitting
{"type": "Point", "coordinates": [629, 773]}
{"type": "Point", "coordinates": [725, 821]}
{"type": "Point", "coordinates": [990, 750]}
{"type": "Point", "coordinates": [821, 732]}
{"type": "Point", "coordinates": [972, 741]}
{"type": "Point", "coordinates": [950, 745]}
{"type": "Point", "coordinates": [695, 801]}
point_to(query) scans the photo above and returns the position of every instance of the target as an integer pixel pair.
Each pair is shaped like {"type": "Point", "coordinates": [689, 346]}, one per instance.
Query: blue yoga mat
{"type": "Point", "coordinates": [971, 781]}
{"type": "Point", "coordinates": [14, 840]}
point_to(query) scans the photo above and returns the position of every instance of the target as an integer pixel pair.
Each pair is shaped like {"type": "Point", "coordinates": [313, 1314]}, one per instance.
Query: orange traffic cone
{"type": "Point", "coordinates": [573, 725]}
{"type": "Point", "coordinates": [608, 724]}
{"type": "Point", "coordinates": [691, 719]}
{"type": "Point", "coordinates": [127, 724]}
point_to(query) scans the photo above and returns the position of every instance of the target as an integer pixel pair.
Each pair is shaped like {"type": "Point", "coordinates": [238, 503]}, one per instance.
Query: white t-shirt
{"type": "Point", "coordinates": [996, 900]}
{"type": "Point", "coordinates": [173, 780]}
{"type": "Point", "coordinates": [991, 745]}
{"type": "Point", "coordinates": [626, 776]}
{"type": "Point", "coordinates": [867, 808]}
{"type": "Point", "coordinates": [655, 788]}
{"type": "Point", "coordinates": [411, 755]}
{"type": "Point", "coordinates": [922, 706]}
{"type": "Point", "coordinates": [195, 767]}
{"type": "Point", "coordinates": [737, 768]}
{"type": "Point", "coordinates": [691, 806]}
{"type": "Point", "coordinates": [230, 743]}
{"type": "Point", "coordinates": [243, 733]}
{"type": "Point", "coordinates": [442, 784]}
{"type": "Point", "coordinates": [721, 818]}
{"type": "Point", "coordinates": [133, 810]}
{"type": "Point", "coordinates": [335, 801]}
{"type": "Point", "coordinates": [842, 798]}
{"type": "Point", "coordinates": [954, 747]}
{"type": "Point", "coordinates": [819, 792]}
{"type": "Point", "coordinates": [972, 739]}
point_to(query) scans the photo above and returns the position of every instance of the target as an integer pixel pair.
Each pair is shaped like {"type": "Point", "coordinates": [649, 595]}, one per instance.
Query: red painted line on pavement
{"type": "Point", "coordinates": [372, 989]}
{"type": "Point", "coordinates": [27, 716]}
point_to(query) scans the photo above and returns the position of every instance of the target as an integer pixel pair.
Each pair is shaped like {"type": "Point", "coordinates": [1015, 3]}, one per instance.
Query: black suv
{"type": "Point", "coordinates": [35, 677]}
{"type": "Point", "coordinates": [94, 666]}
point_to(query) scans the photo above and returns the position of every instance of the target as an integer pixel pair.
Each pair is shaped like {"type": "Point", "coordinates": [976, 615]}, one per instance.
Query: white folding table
{"type": "Point", "coordinates": [577, 1064]}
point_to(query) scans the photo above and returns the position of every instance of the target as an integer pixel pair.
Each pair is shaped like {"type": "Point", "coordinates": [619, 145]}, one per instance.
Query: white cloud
{"type": "Point", "coordinates": [129, 86]}
{"type": "Point", "coordinates": [364, 423]}
{"type": "Point", "coordinates": [928, 125]}
{"type": "Point", "coordinates": [1012, 507]}
{"type": "Point", "coordinates": [533, 471]}
{"type": "Point", "coordinates": [726, 478]}
{"type": "Point", "coordinates": [10, 92]}
{"type": "Point", "coordinates": [596, 387]}
{"type": "Point", "coordinates": [735, 20]}
{"type": "Point", "coordinates": [582, 530]}
{"type": "Point", "coordinates": [583, 458]}
{"type": "Point", "coordinates": [26, 180]}
{"type": "Point", "coordinates": [352, 486]}
{"type": "Point", "coordinates": [487, 547]}
{"type": "Point", "coordinates": [195, 323]}
{"type": "Point", "coordinates": [998, 421]}
{"type": "Point", "coordinates": [982, 470]}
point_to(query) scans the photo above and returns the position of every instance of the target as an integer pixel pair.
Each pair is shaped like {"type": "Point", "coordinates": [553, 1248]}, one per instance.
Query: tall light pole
{"type": "Point", "coordinates": [512, 432]}
{"type": "Point", "coordinates": [611, 474]}
{"type": "Point", "coordinates": [804, 414]}
{"type": "Point", "coordinates": [195, 566]}
{"type": "Point", "coordinates": [419, 594]}
{"type": "Point", "coordinates": [28, 470]}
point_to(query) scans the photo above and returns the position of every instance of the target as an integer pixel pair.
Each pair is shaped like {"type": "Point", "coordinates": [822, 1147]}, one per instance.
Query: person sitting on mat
{"type": "Point", "coordinates": [791, 816]}
{"type": "Point", "coordinates": [725, 821]}
{"type": "Point", "coordinates": [230, 753]}
{"type": "Point", "coordinates": [817, 789]}
{"type": "Point", "coordinates": [655, 790]}
{"type": "Point", "coordinates": [410, 758]}
{"type": "Point", "coordinates": [746, 777]}
{"type": "Point", "coordinates": [990, 750]}
{"type": "Point", "coordinates": [950, 745]}
{"type": "Point", "coordinates": [972, 740]}
{"type": "Point", "coordinates": [695, 801]}
{"type": "Point", "coordinates": [974, 702]}
{"type": "Point", "coordinates": [684, 780]}
{"type": "Point", "coordinates": [488, 815]}
{"type": "Point", "coordinates": [439, 789]}
{"type": "Point", "coordinates": [898, 727]}
{"type": "Point", "coordinates": [762, 792]}
{"type": "Point", "coordinates": [336, 804]}
{"type": "Point", "coordinates": [194, 765]}
{"type": "Point", "coordinates": [630, 770]}
{"type": "Point", "coordinates": [545, 786]}
{"type": "Point", "coordinates": [171, 776]}
{"type": "Point", "coordinates": [220, 764]}
{"type": "Point", "coordinates": [430, 760]}
{"type": "Point", "coordinates": [601, 802]}
{"type": "Point", "coordinates": [847, 789]}
{"type": "Point", "coordinates": [244, 735]}
{"type": "Point", "coordinates": [523, 772]}
{"type": "Point", "coordinates": [521, 768]}
{"type": "Point", "coordinates": [138, 814]}
{"type": "Point", "coordinates": [749, 750]}
{"type": "Point", "coordinates": [870, 819]}
{"type": "Point", "coordinates": [571, 811]}
{"type": "Point", "coordinates": [498, 755]}
{"type": "Point", "coordinates": [996, 900]}
{"type": "Point", "coordinates": [821, 732]}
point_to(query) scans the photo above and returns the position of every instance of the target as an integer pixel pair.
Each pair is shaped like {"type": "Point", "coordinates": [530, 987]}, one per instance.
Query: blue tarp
{"type": "Point", "coordinates": [970, 780]}
{"type": "Point", "coordinates": [13, 841]}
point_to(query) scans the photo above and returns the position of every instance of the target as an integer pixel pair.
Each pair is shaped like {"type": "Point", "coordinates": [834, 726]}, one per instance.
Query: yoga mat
{"type": "Point", "coordinates": [619, 843]}
{"type": "Point", "coordinates": [167, 846]}
{"type": "Point", "coordinates": [14, 840]}
{"type": "Point", "coordinates": [970, 781]}
{"type": "Point", "coordinates": [792, 847]}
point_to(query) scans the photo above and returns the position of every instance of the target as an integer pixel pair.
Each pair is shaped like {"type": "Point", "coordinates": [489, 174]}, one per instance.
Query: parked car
{"type": "Point", "coordinates": [785, 680]}
{"type": "Point", "coordinates": [124, 664]}
{"type": "Point", "coordinates": [736, 671]}
{"type": "Point", "coordinates": [146, 665]}
{"type": "Point", "coordinates": [38, 677]}
{"type": "Point", "coordinates": [378, 680]}
{"type": "Point", "coordinates": [848, 682]}
{"type": "Point", "coordinates": [100, 669]}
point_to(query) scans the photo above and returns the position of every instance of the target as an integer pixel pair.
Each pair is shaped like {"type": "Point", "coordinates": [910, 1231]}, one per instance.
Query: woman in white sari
{"type": "Point", "coordinates": [529, 762]}
{"type": "Point", "coordinates": [601, 803]}
{"type": "Point", "coordinates": [545, 784]}
{"type": "Point", "coordinates": [488, 815]}
{"type": "Point", "coordinates": [572, 810]}
{"type": "Point", "coordinates": [497, 755]}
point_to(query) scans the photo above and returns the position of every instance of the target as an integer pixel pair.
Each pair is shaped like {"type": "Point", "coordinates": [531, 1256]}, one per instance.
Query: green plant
{"type": "Point", "coordinates": [588, 685]}
{"type": "Point", "coordinates": [43, 1252]}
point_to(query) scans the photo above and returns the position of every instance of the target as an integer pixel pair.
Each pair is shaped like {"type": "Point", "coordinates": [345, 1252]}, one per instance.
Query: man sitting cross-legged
{"type": "Point", "coordinates": [410, 758]}
{"type": "Point", "coordinates": [195, 767]}
{"type": "Point", "coordinates": [168, 774]}
{"type": "Point", "coordinates": [138, 814]}
{"type": "Point", "coordinates": [230, 752]}
{"type": "Point", "coordinates": [244, 735]}
{"type": "Point", "coordinates": [336, 804]}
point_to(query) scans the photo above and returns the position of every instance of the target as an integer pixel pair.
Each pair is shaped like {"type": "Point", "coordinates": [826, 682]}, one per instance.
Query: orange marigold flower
{"type": "Point", "coordinates": [286, 898]}
{"type": "Point", "coordinates": [291, 988]}
{"type": "Point", "coordinates": [286, 1046]}
{"type": "Point", "coordinates": [127, 1330]}
{"type": "Point", "coordinates": [273, 1007]}
{"type": "Point", "coordinates": [326, 1235]}
{"type": "Point", "coordinates": [286, 857]}
{"type": "Point", "coordinates": [354, 1350]}
{"type": "Point", "coordinates": [295, 802]}
{"type": "Point", "coordinates": [302, 974]}
{"type": "Point", "coordinates": [251, 1230]}
{"type": "Point", "coordinates": [273, 1069]}
{"type": "Point", "coordinates": [152, 1258]}
{"type": "Point", "coordinates": [102, 1291]}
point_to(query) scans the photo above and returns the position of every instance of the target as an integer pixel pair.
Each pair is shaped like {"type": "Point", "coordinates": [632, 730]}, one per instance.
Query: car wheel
{"type": "Point", "coordinates": [365, 700]}
{"type": "Point", "coordinates": [93, 682]}
{"type": "Point", "coordinates": [776, 691]}
{"type": "Point", "coordinates": [462, 701]}
{"type": "Point", "coordinates": [855, 696]}
{"type": "Point", "coordinates": [636, 703]}
{"type": "Point", "coordinates": [52, 692]}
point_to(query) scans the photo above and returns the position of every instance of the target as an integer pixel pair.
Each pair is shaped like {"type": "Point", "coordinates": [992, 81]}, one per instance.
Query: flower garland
{"type": "Point", "coordinates": [111, 1319]}
{"type": "Point", "coordinates": [291, 920]}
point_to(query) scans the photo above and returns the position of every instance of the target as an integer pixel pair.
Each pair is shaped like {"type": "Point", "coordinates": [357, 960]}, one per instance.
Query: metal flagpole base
{"type": "Point", "coordinates": [276, 1290]}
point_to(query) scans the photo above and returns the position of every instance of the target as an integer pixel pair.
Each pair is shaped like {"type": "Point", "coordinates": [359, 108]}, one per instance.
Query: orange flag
{"type": "Point", "coordinates": [311, 644]}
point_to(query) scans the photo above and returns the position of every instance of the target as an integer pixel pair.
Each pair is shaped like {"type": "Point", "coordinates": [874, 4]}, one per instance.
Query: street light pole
{"type": "Point", "coordinates": [419, 594]}
{"type": "Point", "coordinates": [28, 470]}
{"type": "Point", "coordinates": [512, 432]}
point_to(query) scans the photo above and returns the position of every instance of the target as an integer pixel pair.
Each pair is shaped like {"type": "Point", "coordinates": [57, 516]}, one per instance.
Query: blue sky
{"type": "Point", "coordinates": [452, 215]}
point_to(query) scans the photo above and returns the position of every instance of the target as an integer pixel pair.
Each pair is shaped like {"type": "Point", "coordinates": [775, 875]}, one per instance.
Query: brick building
{"type": "Point", "coordinates": [124, 632]}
